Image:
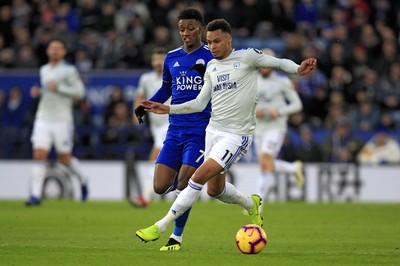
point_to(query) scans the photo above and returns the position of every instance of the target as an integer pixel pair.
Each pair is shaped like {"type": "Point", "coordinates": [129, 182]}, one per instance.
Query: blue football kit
{"type": "Point", "coordinates": [185, 140]}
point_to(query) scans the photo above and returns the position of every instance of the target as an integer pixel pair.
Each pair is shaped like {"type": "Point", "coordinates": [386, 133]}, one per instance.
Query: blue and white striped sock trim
{"type": "Point", "coordinates": [194, 185]}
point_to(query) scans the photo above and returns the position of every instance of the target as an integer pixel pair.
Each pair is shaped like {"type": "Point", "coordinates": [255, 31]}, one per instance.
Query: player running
{"type": "Point", "coordinates": [231, 84]}
{"type": "Point", "coordinates": [60, 84]}
{"type": "Point", "coordinates": [277, 99]}
{"type": "Point", "coordinates": [183, 149]}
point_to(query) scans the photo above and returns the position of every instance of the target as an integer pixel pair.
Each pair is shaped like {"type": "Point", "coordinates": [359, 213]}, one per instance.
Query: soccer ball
{"type": "Point", "coordinates": [251, 239]}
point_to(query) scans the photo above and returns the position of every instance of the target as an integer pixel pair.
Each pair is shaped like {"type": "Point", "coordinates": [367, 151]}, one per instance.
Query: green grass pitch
{"type": "Point", "coordinates": [102, 233]}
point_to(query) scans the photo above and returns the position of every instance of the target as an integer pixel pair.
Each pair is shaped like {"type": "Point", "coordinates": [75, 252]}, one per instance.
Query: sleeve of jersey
{"type": "Point", "coordinates": [195, 105]}
{"type": "Point", "coordinates": [293, 98]}
{"type": "Point", "coordinates": [163, 93]}
{"type": "Point", "coordinates": [286, 65]}
{"type": "Point", "coordinates": [73, 86]}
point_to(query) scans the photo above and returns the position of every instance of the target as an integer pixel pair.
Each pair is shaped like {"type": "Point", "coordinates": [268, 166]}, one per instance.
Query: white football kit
{"type": "Point", "coordinates": [54, 119]}
{"type": "Point", "coordinates": [149, 83]}
{"type": "Point", "coordinates": [276, 91]}
{"type": "Point", "coordinates": [231, 84]}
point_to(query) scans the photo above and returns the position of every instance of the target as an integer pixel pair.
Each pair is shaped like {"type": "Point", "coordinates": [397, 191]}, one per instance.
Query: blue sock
{"type": "Point", "coordinates": [181, 222]}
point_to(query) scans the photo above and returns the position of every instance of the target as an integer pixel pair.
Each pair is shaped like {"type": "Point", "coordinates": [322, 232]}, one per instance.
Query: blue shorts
{"type": "Point", "coordinates": [179, 149]}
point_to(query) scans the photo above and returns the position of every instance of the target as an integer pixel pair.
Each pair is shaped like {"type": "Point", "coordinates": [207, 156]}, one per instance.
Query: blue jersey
{"type": "Point", "coordinates": [182, 85]}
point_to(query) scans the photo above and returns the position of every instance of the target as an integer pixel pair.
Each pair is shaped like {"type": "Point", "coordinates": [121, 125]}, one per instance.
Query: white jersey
{"type": "Point", "coordinates": [231, 84]}
{"type": "Point", "coordinates": [276, 91]}
{"type": "Point", "coordinates": [149, 83]}
{"type": "Point", "coordinates": [57, 105]}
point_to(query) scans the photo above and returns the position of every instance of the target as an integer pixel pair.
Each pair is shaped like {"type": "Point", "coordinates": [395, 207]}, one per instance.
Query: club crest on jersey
{"type": "Point", "coordinates": [214, 69]}
{"type": "Point", "coordinates": [183, 73]}
{"type": "Point", "coordinates": [236, 65]}
{"type": "Point", "coordinates": [200, 61]}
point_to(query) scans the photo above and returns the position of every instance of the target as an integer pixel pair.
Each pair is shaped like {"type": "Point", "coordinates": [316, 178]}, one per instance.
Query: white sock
{"type": "Point", "coordinates": [37, 178]}
{"type": "Point", "coordinates": [74, 168]}
{"type": "Point", "coordinates": [182, 203]}
{"type": "Point", "coordinates": [264, 183]}
{"type": "Point", "coordinates": [285, 167]}
{"type": "Point", "coordinates": [232, 195]}
{"type": "Point", "coordinates": [177, 238]}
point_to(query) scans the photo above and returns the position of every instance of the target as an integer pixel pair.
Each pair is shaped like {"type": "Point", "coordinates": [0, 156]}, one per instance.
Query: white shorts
{"type": "Point", "coordinates": [225, 148]}
{"type": "Point", "coordinates": [59, 134]}
{"type": "Point", "coordinates": [159, 133]}
{"type": "Point", "coordinates": [270, 141]}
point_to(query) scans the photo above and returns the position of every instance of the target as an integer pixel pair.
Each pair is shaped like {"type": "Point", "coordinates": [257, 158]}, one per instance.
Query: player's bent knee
{"type": "Point", "coordinates": [214, 192]}
{"type": "Point", "coordinates": [161, 189]}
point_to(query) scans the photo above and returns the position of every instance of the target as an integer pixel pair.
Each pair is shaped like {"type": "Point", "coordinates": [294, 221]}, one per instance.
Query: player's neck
{"type": "Point", "coordinates": [228, 53]}
{"type": "Point", "coordinates": [193, 48]}
{"type": "Point", "coordinates": [55, 62]}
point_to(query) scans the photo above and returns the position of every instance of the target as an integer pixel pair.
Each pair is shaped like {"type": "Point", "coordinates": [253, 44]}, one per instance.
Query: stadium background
{"type": "Point", "coordinates": [357, 84]}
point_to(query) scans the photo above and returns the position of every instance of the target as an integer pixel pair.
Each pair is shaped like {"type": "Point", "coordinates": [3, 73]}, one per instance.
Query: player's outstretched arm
{"type": "Point", "coordinates": [307, 66]}
{"type": "Point", "coordinates": [154, 107]}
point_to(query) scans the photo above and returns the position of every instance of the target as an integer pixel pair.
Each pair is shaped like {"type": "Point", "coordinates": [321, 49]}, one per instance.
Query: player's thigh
{"type": "Point", "coordinates": [171, 153]}
{"type": "Point", "coordinates": [270, 142]}
{"type": "Point", "coordinates": [41, 137]}
{"type": "Point", "coordinates": [227, 148]}
{"type": "Point", "coordinates": [63, 137]}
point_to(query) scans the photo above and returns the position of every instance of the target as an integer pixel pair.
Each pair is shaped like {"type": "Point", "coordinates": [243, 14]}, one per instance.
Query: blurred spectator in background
{"type": "Point", "coordinates": [82, 62]}
{"type": "Point", "coordinates": [249, 15]}
{"type": "Point", "coordinates": [111, 50]}
{"type": "Point", "coordinates": [336, 108]}
{"type": "Point", "coordinates": [14, 110]}
{"type": "Point", "coordinates": [341, 146]}
{"type": "Point", "coordinates": [225, 9]}
{"type": "Point", "coordinates": [116, 97]}
{"type": "Point", "coordinates": [389, 57]}
{"type": "Point", "coordinates": [381, 149]}
{"type": "Point", "coordinates": [161, 38]}
{"type": "Point", "coordinates": [279, 14]}
{"type": "Point", "coordinates": [90, 43]}
{"type": "Point", "coordinates": [6, 22]}
{"type": "Point", "coordinates": [90, 14]}
{"type": "Point", "coordinates": [364, 89]}
{"type": "Point", "coordinates": [7, 58]}
{"type": "Point", "coordinates": [339, 81]}
{"type": "Point", "coordinates": [360, 62]}
{"type": "Point", "coordinates": [21, 12]}
{"type": "Point", "coordinates": [307, 150]}
{"type": "Point", "coordinates": [107, 21]}
{"type": "Point", "coordinates": [131, 10]}
{"type": "Point", "coordinates": [294, 46]}
{"type": "Point", "coordinates": [365, 117]}
{"type": "Point", "coordinates": [306, 15]}
{"type": "Point", "coordinates": [26, 58]}
{"type": "Point", "coordinates": [118, 131]}
{"type": "Point", "coordinates": [370, 40]}
{"type": "Point", "coordinates": [131, 55]}
{"type": "Point", "coordinates": [70, 17]}
{"type": "Point", "coordinates": [313, 92]}
{"type": "Point", "coordinates": [388, 92]}
{"type": "Point", "coordinates": [159, 10]}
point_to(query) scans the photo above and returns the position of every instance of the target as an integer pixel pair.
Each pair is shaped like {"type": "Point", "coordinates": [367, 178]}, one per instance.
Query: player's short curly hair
{"type": "Point", "coordinates": [60, 40]}
{"type": "Point", "coordinates": [191, 13]}
{"type": "Point", "coordinates": [219, 24]}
